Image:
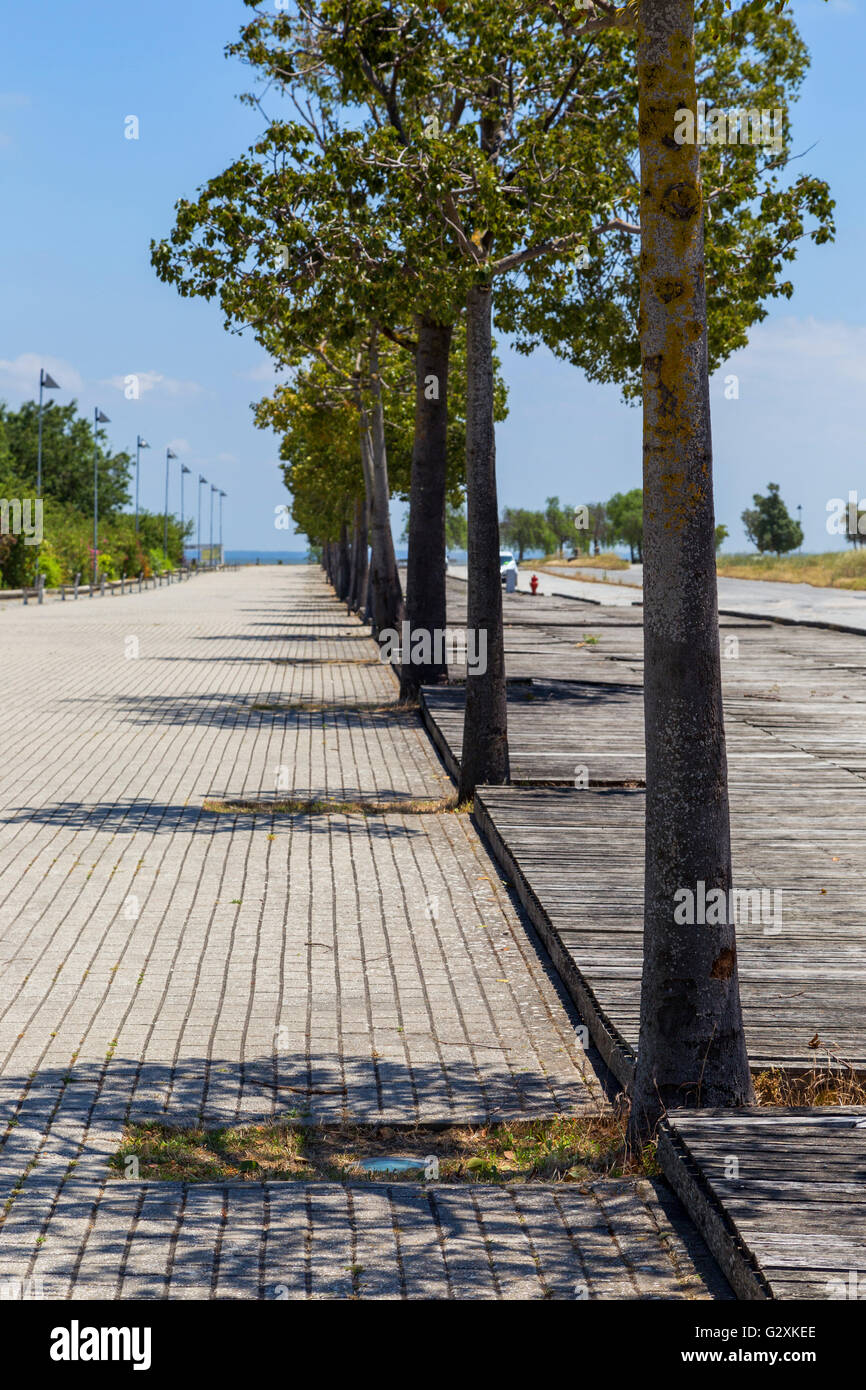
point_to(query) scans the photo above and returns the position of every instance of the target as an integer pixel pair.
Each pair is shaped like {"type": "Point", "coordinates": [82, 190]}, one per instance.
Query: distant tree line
{"type": "Point", "coordinates": [574, 531]}
{"type": "Point", "coordinates": [564, 529]}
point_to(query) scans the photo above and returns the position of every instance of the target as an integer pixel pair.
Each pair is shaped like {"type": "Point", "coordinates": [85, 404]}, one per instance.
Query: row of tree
{"type": "Point", "coordinates": [69, 450]}
{"type": "Point", "coordinates": [431, 171]}
{"type": "Point", "coordinates": [619, 521]}
{"type": "Point", "coordinates": [577, 530]}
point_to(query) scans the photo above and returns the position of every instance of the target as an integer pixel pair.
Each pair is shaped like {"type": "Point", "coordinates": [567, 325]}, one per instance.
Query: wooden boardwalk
{"type": "Point", "coordinates": [779, 1195]}
{"type": "Point", "coordinates": [795, 703]}
{"type": "Point", "coordinates": [576, 860]}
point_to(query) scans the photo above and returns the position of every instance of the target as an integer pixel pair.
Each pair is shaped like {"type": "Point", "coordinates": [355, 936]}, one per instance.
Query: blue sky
{"type": "Point", "coordinates": [81, 203]}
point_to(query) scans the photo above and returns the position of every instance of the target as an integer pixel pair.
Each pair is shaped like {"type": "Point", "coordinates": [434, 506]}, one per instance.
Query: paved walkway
{"type": "Point", "coordinates": [760, 598]}
{"type": "Point", "coordinates": [611, 595]}
{"type": "Point", "coordinates": [162, 960]}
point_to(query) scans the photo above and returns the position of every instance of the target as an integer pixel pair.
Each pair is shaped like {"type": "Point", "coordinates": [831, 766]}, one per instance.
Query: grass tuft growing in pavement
{"type": "Point", "coordinates": [370, 709]}
{"type": "Point", "coordinates": [332, 806]}
{"type": "Point", "coordinates": [557, 1150]}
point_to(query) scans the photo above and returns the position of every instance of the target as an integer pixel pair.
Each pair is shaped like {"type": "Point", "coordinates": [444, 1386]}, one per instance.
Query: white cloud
{"type": "Point", "coordinates": [806, 350]}
{"type": "Point", "coordinates": [266, 370]}
{"type": "Point", "coordinates": [796, 421]}
{"type": "Point", "coordinates": [154, 381]}
{"type": "Point", "coordinates": [180, 446]}
{"type": "Point", "coordinates": [20, 378]}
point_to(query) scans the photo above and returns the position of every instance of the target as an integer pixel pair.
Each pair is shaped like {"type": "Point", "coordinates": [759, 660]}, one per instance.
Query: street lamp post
{"type": "Point", "coordinates": [213, 489]}
{"type": "Point", "coordinates": [47, 383]}
{"type": "Point", "coordinates": [202, 482]}
{"type": "Point", "coordinates": [183, 469]}
{"type": "Point", "coordinates": [222, 495]}
{"type": "Point", "coordinates": [98, 419]}
{"type": "Point", "coordinates": [169, 454]}
{"type": "Point", "coordinates": [139, 445]}
{"type": "Point", "coordinates": [800, 523]}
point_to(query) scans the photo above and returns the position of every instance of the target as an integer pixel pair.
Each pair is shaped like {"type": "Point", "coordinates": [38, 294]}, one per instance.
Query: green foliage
{"type": "Point", "coordinates": [525, 530]}
{"type": "Point", "coordinates": [769, 525]}
{"type": "Point", "coordinates": [67, 544]}
{"type": "Point", "coordinates": [721, 536]}
{"type": "Point", "coordinates": [317, 420]}
{"type": "Point", "coordinates": [616, 522]}
{"type": "Point", "coordinates": [456, 534]}
{"type": "Point", "coordinates": [67, 456]}
{"type": "Point", "coordinates": [625, 520]}
{"type": "Point", "coordinates": [67, 547]}
{"type": "Point", "coordinates": [756, 216]}
{"type": "Point", "coordinates": [561, 523]}
{"type": "Point", "coordinates": [485, 142]}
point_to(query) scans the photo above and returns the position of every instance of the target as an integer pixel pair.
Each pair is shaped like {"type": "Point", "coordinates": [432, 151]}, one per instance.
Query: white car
{"type": "Point", "coordinates": [507, 565]}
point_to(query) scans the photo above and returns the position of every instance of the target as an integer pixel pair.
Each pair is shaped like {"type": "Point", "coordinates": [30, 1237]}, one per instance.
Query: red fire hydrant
{"type": "Point", "coordinates": [533, 584]}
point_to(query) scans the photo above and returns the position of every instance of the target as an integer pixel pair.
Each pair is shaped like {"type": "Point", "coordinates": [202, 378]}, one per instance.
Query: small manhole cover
{"type": "Point", "coordinates": [391, 1165]}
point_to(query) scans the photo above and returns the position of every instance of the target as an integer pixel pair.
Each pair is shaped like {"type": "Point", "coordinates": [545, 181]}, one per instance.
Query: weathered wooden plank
{"type": "Point", "coordinates": [794, 1219]}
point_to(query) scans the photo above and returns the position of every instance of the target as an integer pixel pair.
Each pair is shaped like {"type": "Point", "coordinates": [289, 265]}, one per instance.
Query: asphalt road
{"type": "Point", "coordinates": [761, 598]}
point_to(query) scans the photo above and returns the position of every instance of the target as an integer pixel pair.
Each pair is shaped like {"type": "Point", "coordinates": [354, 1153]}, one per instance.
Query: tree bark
{"type": "Point", "coordinates": [363, 590]}
{"type": "Point", "coordinates": [343, 562]}
{"type": "Point", "coordinates": [485, 723]}
{"type": "Point", "coordinates": [386, 594]}
{"type": "Point", "coordinates": [353, 558]}
{"type": "Point", "coordinates": [425, 576]}
{"type": "Point", "coordinates": [691, 1049]}
{"type": "Point", "coordinates": [359, 555]}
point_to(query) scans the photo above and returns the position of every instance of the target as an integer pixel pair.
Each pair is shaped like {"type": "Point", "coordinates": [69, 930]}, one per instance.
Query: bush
{"type": "Point", "coordinates": [67, 547]}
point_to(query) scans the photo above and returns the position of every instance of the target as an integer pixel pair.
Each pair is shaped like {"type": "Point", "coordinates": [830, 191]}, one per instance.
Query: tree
{"type": "Point", "coordinates": [525, 530]}
{"type": "Point", "coordinates": [502, 139]}
{"type": "Point", "coordinates": [477, 176]}
{"type": "Point", "coordinates": [455, 526]}
{"type": "Point", "coordinates": [721, 535]}
{"type": "Point", "coordinates": [599, 526]}
{"type": "Point", "coordinates": [625, 520]}
{"type": "Point", "coordinates": [67, 456]}
{"type": "Point", "coordinates": [324, 418]}
{"type": "Point", "coordinates": [769, 525]}
{"type": "Point", "coordinates": [691, 1047]}
{"type": "Point", "coordinates": [560, 521]}
{"type": "Point", "coordinates": [277, 237]}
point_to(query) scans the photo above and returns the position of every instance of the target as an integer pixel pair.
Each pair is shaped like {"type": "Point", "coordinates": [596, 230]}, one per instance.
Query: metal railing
{"type": "Point", "coordinates": [127, 584]}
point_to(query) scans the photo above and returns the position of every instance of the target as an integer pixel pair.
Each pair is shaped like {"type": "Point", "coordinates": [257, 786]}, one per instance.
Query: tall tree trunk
{"type": "Point", "coordinates": [368, 597]}
{"type": "Point", "coordinates": [352, 596]}
{"type": "Point", "coordinates": [425, 575]}
{"type": "Point", "coordinates": [352, 552]}
{"type": "Point", "coordinates": [386, 594]}
{"type": "Point", "coordinates": [360, 604]}
{"type": "Point", "coordinates": [485, 723]}
{"type": "Point", "coordinates": [691, 1049]}
{"type": "Point", "coordinates": [343, 562]}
